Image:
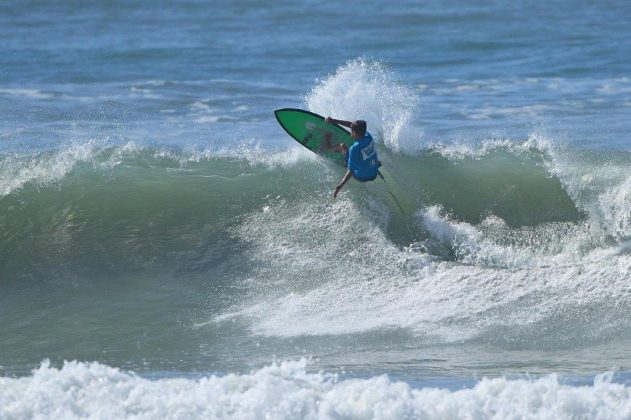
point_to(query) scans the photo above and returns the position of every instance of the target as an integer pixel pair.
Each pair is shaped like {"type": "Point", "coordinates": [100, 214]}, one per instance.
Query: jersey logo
{"type": "Point", "coordinates": [368, 151]}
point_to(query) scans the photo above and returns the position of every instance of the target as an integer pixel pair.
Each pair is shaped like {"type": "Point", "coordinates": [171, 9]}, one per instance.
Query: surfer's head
{"type": "Point", "coordinates": [358, 129]}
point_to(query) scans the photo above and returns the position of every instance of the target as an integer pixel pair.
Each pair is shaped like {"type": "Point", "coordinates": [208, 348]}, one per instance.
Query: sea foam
{"type": "Point", "coordinates": [287, 390]}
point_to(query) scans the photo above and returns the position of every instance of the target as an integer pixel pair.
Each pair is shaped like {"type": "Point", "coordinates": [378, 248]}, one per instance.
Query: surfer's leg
{"type": "Point", "coordinates": [328, 144]}
{"type": "Point", "coordinates": [345, 152]}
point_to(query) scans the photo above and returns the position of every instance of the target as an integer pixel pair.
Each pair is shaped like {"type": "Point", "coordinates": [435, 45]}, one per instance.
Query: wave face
{"type": "Point", "coordinates": [515, 244]}
{"type": "Point", "coordinates": [123, 208]}
{"type": "Point", "coordinates": [287, 391]}
{"type": "Point", "coordinates": [129, 206]}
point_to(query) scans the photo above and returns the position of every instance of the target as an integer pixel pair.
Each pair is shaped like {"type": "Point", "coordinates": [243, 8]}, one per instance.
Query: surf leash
{"type": "Point", "coordinates": [396, 200]}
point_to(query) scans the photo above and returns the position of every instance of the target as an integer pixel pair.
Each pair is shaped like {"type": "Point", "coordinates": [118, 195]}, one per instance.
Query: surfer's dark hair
{"type": "Point", "coordinates": [359, 127]}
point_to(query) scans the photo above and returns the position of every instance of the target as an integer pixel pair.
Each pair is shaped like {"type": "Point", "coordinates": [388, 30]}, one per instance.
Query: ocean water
{"type": "Point", "coordinates": [167, 251]}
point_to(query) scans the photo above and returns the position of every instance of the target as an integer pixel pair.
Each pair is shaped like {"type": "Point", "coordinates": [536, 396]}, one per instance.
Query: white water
{"type": "Point", "coordinates": [359, 281]}
{"type": "Point", "coordinates": [288, 391]}
{"type": "Point", "coordinates": [368, 90]}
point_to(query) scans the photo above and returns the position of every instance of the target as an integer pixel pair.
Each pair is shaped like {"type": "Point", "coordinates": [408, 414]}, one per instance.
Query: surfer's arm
{"type": "Point", "coordinates": [330, 120]}
{"type": "Point", "coordinates": [344, 181]}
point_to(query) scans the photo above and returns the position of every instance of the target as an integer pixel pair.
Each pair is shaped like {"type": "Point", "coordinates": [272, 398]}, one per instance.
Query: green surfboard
{"type": "Point", "coordinates": [310, 130]}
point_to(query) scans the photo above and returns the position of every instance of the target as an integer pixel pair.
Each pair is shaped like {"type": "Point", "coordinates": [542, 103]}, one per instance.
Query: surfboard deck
{"type": "Point", "coordinates": [309, 129]}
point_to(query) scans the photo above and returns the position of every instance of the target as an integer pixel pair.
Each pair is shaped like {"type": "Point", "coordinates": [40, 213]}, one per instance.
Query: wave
{"type": "Point", "coordinates": [287, 390]}
{"type": "Point", "coordinates": [505, 191]}
{"type": "Point", "coordinates": [503, 240]}
{"type": "Point", "coordinates": [125, 207]}
{"type": "Point", "coordinates": [554, 279]}
{"type": "Point", "coordinates": [514, 185]}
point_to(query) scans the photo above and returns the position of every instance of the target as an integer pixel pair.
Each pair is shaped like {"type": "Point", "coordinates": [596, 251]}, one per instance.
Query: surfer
{"type": "Point", "coordinates": [361, 158]}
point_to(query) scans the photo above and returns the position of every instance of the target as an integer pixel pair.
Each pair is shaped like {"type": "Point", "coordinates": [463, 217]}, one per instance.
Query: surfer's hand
{"type": "Point", "coordinates": [337, 190]}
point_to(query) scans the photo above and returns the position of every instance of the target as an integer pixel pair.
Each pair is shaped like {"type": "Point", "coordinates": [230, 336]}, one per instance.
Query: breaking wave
{"type": "Point", "coordinates": [287, 391]}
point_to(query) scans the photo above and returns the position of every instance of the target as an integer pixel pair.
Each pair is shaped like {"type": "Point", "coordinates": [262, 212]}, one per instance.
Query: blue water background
{"type": "Point", "coordinates": [481, 70]}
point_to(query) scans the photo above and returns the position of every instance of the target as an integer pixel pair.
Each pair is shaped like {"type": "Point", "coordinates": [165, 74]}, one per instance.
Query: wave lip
{"type": "Point", "coordinates": [16, 171]}
{"type": "Point", "coordinates": [287, 391]}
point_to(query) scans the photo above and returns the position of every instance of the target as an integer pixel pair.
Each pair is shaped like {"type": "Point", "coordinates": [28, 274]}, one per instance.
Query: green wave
{"type": "Point", "coordinates": [142, 210]}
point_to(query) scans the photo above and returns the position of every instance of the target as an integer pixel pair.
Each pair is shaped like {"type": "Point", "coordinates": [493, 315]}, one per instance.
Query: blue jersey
{"type": "Point", "coordinates": [362, 159]}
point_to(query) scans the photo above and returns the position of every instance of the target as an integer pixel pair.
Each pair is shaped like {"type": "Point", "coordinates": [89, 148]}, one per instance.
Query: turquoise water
{"type": "Point", "coordinates": [154, 218]}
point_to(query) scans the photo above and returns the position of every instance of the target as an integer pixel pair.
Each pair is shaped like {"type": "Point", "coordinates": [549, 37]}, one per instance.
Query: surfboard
{"type": "Point", "coordinates": [310, 130]}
